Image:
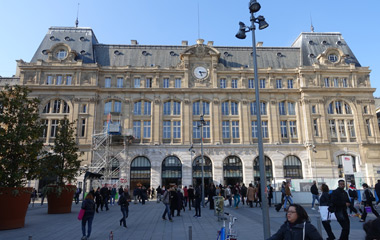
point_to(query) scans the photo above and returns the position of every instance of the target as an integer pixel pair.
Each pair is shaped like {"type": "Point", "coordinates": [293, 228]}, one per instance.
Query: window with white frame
{"type": "Point", "coordinates": [251, 83]}
{"type": "Point", "coordinates": [336, 82]}
{"type": "Point", "coordinates": [166, 83]}
{"type": "Point", "coordinates": [59, 80]}
{"type": "Point", "coordinates": [293, 129]}
{"type": "Point", "coordinates": [339, 107]}
{"type": "Point", "coordinates": [264, 129]}
{"type": "Point", "coordinates": [368, 125]}
{"type": "Point", "coordinates": [290, 83]}
{"type": "Point", "coordinates": [177, 129]}
{"type": "Point", "coordinates": [263, 108]}
{"type": "Point", "coordinates": [112, 106]}
{"type": "Point", "coordinates": [234, 83]}
{"type": "Point", "coordinates": [177, 83]}
{"type": "Point", "coordinates": [196, 130]}
{"type": "Point", "coordinates": [166, 130]}
{"type": "Point", "coordinates": [332, 128]}
{"type": "Point", "coordinates": [226, 129]}
{"type": "Point", "coordinates": [61, 54]}
{"type": "Point", "coordinates": [284, 130]}
{"type": "Point", "coordinates": [53, 127]}
{"type": "Point", "coordinates": [49, 80]}
{"type": "Point", "coordinates": [172, 108]}
{"type": "Point", "coordinates": [148, 83]}
{"type": "Point", "coordinates": [278, 83]}
{"type": "Point", "coordinates": [223, 83]}
{"type": "Point", "coordinates": [119, 83]}
{"type": "Point", "coordinates": [234, 108]}
{"type": "Point", "coordinates": [137, 83]}
{"type": "Point", "coordinates": [147, 129]}
{"type": "Point", "coordinates": [262, 83]}
{"type": "Point", "coordinates": [235, 129]}
{"type": "Point", "coordinates": [351, 128]}
{"type": "Point", "coordinates": [69, 80]}
{"type": "Point", "coordinates": [137, 129]}
{"type": "Point", "coordinates": [344, 82]}
{"type": "Point", "coordinates": [201, 108]}
{"type": "Point", "coordinates": [286, 108]}
{"type": "Point", "coordinates": [83, 127]}
{"type": "Point", "coordinates": [107, 83]}
{"type": "Point", "coordinates": [327, 82]}
{"type": "Point", "coordinates": [225, 108]}
{"type": "Point", "coordinates": [315, 127]}
{"type": "Point", "coordinates": [142, 107]}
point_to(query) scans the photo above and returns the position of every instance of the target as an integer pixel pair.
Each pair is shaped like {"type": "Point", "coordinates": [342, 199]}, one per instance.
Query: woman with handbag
{"type": "Point", "coordinates": [367, 198]}
{"type": "Point", "coordinates": [88, 206]}
{"type": "Point", "coordinates": [324, 202]}
{"type": "Point", "coordinates": [124, 203]}
{"type": "Point", "coordinates": [297, 226]}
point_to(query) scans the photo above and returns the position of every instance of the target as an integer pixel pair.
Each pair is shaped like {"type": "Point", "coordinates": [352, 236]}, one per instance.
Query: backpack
{"type": "Point", "coordinates": [371, 197]}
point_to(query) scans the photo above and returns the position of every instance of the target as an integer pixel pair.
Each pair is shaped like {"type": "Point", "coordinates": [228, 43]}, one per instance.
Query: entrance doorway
{"type": "Point", "coordinates": [140, 173]}
{"type": "Point", "coordinates": [171, 171]}
{"type": "Point", "coordinates": [197, 171]}
{"type": "Point", "coordinates": [268, 169]}
{"type": "Point", "coordinates": [232, 170]}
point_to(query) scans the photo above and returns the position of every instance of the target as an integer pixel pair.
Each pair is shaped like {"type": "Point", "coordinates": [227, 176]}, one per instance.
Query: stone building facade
{"type": "Point", "coordinates": [317, 108]}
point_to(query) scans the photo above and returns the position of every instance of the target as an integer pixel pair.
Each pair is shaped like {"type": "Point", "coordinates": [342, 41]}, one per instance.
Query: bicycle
{"type": "Point", "coordinates": [231, 233]}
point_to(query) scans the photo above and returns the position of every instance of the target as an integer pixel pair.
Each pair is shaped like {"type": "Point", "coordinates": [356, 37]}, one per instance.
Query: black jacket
{"type": "Point", "coordinates": [325, 199]}
{"type": "Point", "coordinates": [190, 193]}
{"type": "Point", "coordinates": [123, 200]}
{"type": "Point", "coordinates": [314, 189]}
{"type": "Point", "coordinates": [377, 189]}
{"type": "Point", "coordinates": [295, 232]}
{"type": "Point", "coordinates": [89, 206]}
{"type": "Point", "coordinates": [339, 198]}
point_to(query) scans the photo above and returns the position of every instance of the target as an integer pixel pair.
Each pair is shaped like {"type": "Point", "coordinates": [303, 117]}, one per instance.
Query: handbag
{"type": "Point", "coordinates": [325, 214]}
{"type": "Point", "coordinates": [226, 203]}
{"type": "Point", "coordinates": [368, 209]}
{"type": "Point", "coordinates": [81, 214]}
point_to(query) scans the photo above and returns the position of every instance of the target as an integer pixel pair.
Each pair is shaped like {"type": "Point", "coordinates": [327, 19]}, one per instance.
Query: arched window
{"type": "Point", "coordinates": [112, 106]}
{"type": "Point", "coordinates": [230, 108]}
{"type": "Point", "coordinates": [287, 108]}
{"type": "Point", "coordinates": [201, 108]}
{"type": "Point", "coordinates": [263, 108]}
{"type": "Point", "coordinates": [171, 171]}
{"type": "Point", "coordinates": [341, 129]}
{"type": "Point", "coordinates": [140, 172]}
{"type": "Point", "coordinates": [142, 108]}
{"type": "Point", "coordinates": [197, 171]}
{"type": "Point", "coordinates": [172, 108]}
{"type": "Point", "coordinates": [292, 167]}
{"type": "Point", "coordinates": [268, 169]}
{"type": "Point", "coordinates": [232, 170]}
{"type": "Point", "coordinates": [339, 107]}
{"type": "Point", "coordinates": [56, 106]}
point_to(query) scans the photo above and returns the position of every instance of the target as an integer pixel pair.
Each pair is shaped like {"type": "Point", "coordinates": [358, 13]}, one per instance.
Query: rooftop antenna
{"type": "Point", "coordinates": [311, 26]}
{"type": "Point", "coordinates": [76, 21]}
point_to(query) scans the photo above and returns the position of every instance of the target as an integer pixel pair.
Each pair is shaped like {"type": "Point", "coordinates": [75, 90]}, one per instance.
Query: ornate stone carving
{"type": "Point", "coordinates": [186, 101]}
{"type": "Point", "coordinates": [245, 101]}
{"type": "Point", "coordinates": [157, 101]}
{"type": "Point", "coordinates": [127, 101]}
{"type": "Point", "coordinates": [216, 101]}
{"type": "Point", "coordinates": [273, 102]}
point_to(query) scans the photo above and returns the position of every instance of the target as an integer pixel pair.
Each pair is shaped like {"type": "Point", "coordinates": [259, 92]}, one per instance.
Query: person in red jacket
{"type": "Point", "coordinates": [185, 196]}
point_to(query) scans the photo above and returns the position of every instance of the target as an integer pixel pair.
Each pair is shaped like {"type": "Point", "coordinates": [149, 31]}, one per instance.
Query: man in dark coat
{"type": "Point", "coordinates": [314, 194]}
{"type": "Point", "coordinates": [340, 202]}
{"type": "Point", "coordinates": [243, 193]}
{"type": "Point", "coordinates": [105, 195]}
{"type": "Point", "coordinates": [173, 200]}
{"type": "Point", "coordinates": [190, 192]}
{"type": "Point", "coordinates": [377, 190]}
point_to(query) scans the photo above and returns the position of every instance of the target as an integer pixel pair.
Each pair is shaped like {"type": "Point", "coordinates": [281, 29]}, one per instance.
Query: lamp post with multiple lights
{"type": "Point", "coordinates": [254, 7]}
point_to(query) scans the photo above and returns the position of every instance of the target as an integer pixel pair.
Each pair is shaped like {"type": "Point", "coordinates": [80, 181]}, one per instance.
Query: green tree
{"type": "Point", "coordinates": [63, 161]}
{"type": "Point", "coordinates": [20, 132]}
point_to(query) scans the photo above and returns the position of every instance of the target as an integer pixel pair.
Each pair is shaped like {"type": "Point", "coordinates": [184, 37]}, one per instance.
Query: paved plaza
{"type": "Point", "coordinates": [145, 222]}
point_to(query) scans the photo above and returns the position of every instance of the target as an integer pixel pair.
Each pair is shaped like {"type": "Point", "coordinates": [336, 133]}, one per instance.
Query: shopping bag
{"type": "Point", "coordinates": [325, 214]}
{"type": "Point", "coordinates": [226, 203]}
{"type": "Point", "coordinates": [81, 214]}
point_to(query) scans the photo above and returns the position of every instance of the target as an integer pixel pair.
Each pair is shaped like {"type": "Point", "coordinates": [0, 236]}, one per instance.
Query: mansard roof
{"type": "Point", "coordinates": [305, 51]}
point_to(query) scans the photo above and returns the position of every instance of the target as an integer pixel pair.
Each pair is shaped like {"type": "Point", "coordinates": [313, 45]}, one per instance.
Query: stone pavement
{"type": "Point", "coordinates": [145, 222]}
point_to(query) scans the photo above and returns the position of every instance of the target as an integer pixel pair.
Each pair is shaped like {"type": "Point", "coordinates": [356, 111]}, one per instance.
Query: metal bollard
{"type": "Point", "coordinates": [190, 233]}
{"type": "Point", "coordinates": [319, 224]}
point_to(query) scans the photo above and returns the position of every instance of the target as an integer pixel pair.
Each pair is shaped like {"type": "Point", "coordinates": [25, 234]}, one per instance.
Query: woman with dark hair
{"type": "Point", "coordinates": [89, 206]}
{"type": "Point", "coordinates": [297, 226]}
{"type": "Point", "coordinates": [325, 201]}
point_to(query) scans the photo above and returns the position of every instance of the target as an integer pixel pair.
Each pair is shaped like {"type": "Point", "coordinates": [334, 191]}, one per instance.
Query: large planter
{"type": "Point", "coordinates": [13, 206]}
{"type": "Point", "coordinates": [60, 198]}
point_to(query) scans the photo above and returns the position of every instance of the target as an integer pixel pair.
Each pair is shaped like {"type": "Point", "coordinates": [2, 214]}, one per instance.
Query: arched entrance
{"type": "Point", "coordinates": [197, 171]}
{"type": "Point", "coordinates": [268, 169]}
{"type": "Point", "coordinates": [171, 171]}
{"type": "Point", "coordinates": [232, 170]}
{"type": "Point", "coordinates": [140, 172]}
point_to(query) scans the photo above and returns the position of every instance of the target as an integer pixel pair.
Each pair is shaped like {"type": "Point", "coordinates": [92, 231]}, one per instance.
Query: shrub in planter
{"type": "Point", "coordinates": [20, 146]}
{"type": "Point", "coordinates": [62, 162]}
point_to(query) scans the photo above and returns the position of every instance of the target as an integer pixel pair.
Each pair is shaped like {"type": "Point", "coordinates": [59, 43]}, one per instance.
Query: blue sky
{"type": "Point", "coordinates": [24, 23]}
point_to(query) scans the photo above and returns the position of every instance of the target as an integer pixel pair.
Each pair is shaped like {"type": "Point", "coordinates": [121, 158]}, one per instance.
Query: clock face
{"type": "Point", "coordinates": [200, 72]}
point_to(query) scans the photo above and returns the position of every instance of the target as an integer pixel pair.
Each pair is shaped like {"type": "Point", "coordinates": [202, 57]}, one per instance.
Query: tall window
{"type": "Point", "coordinates": [344, 82]}
{"type": "Point", "coordinates": [292, 167]}
{"type": "Point", "coordinates": [284, 130]}
{"type": "Point", "coordinates": [263, 108]}
{"type": "Point", "coordinates": [262, 83]}
{"type": "Point", "coordinates": [197, 130]}
{"type": "Point", "coordinates": [148, 83]}
{"type": "Point", "coordinates": [234, 83]}
{"type": "Point", "coordinates": [112, 106]}
{"type": "Point", "coordinates": [286, 108]}
{"type": "Point", "coordinates": [172, 108]}
{"type": "Point", "coordinates": [83, 127]}
{"type": "Point", "coordinates": [281, 108]}
{"type": "Point", "coordinates": [68, 80]}
{"type": "Point", "coordinates": [119, 83]}
{"type": "Point", "coordinates": [234, 108]}
{"type": "Point", "coordinates": [137, 108]}
{"type": "Point", "coordinates": [167, 130]}
{"type": "Point", "coordinates": [235, 129]}
{"type": "Point", "coordinates": [53, 127]}
{"type": "Point", "coordinates": [351, 128]}
{"type": "Point", "coordinates": [177, 83]}
{"type": "Point", "coordinates": [264, 129]}
{"type": "Point", "coordinates": [176, 129]}
{"type": "Point", "coordinates": [142, 107]}
{"type": "Point", "coordinates": [290, 83]}
{"type": "Point", "coordinates": [223, 83]}
{"type": "Point", "coordinates": [147, 108]}
{"type": "Point", "coordinates": [201, 107]}
{"type": "Point", "coordinates": [49, 80]}
{"type": "Point", "coordinates": [137, 129]}
{"type": "Point", "coordinates": [166, 83]}
{"type": "Point", "coordinates": [278, 83]}
{"type": "Point", "coordinates": [332, 128]}
{"type": "Point", "coordinates": [225, 108]}
{"type": "Point", "coordinates": [107, 83]}
{"type": "Point", "coordinates": [315, 126]}
{"type": "Point", "coordinates": [146, 129]}
{"type": "Point", "coordinates": [342, 129]}
{"type": "Point", "coordinates": [327, 82]}
{"type": "Point", "coordinates": [59, 80]}
{"type": "Point", "coordinates": [226, 129]}
{"type": "Point", "coordinates": [251, 83]}
{"type": "Point", "coordinates": [293, 129]}
{"type": "Point", "coordinates": [368, 125]}
{"type": "Point", "coordinates": [137, 83]}
{"type": "Point", "coordinates": [336, 82]}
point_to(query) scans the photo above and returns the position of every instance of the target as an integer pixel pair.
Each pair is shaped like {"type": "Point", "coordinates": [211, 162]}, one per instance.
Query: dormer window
{"type": "Point", "coordinates": [333, 58]}
{"type": "Point", "coordinates": [61, 54]}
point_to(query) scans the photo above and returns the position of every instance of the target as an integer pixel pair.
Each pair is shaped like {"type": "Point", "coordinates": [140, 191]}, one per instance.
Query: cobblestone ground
{"type": "Point", "coordinates": [145, 222]}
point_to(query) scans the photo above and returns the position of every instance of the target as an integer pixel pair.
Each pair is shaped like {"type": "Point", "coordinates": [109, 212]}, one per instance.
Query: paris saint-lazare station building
{"type": "Point", "coordinates": [143, 112]}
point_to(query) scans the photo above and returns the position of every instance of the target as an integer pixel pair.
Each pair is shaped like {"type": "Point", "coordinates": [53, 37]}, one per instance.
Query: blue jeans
{"type": "Point", "coordinates": [288, 198]}
{"type": "Point", "coordinates": [112, 200]}
{"type": "Point", "coordinates": [315, 197]}
{"type": "Point", "coordinates": [236, 200]}
{"type": "Point", "coordinates": [89, 220]}
{"type": "Point", "coordinates": [167, 211]}
{"type": "Point", "coordinates": [124, 211]}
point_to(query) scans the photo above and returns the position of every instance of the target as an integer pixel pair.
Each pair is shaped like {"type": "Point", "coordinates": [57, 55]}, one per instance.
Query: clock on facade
{"type": "Point", "coordinates": [200, 72]}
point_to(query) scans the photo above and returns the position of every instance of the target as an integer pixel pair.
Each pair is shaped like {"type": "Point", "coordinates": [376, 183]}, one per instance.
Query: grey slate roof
{"type": "Point", "coordinates": [168, 56]}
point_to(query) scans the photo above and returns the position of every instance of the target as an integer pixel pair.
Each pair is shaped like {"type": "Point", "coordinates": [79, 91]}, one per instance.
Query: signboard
{"type": "Point", "coordinates": [347, 165]}
{"type": "Point", "coordinates": [123, 180]}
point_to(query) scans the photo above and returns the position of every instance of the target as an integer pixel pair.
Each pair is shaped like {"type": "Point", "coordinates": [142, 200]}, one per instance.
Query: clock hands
{"type": "Point", "coordinates": [200, 72]}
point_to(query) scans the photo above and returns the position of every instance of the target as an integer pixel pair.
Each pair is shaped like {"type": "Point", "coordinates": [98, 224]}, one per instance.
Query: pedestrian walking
{"type": "Point", "coordinates": [250, 195]}
{"type": "Point", "coordinates": [353, 196]}
{"type": "Point", "coordinates": [121, 190]}
{"type": "Point", "coordinates": [105, 195]}
{"type": "Point", "coordinates": [288, 195]}
{"type": "Point", "coordinates": [340, 202]}
{"type": "Point", "coordinates": [243, 191]}
{"type": "Point", "coordinates": [159, 192]}
{"type": "Point", "coordinates": [173, 200]}
{"type": "Point", "coordinates": [236, 192]}
{"type": "Point", "coordinates": [270, 194]}
{"type": "Point", "coordinates": [185, 196]}
{"type": "Point", "coordinates": [228, 195]}
{"type": "Point", "coordinates": [98, 199]}
{"type": "Point", "coordinates": [377, 191]}
{"type": "Point", "coordinates": [314, 194]}
{"type": "Point", "coordinates": [77, 194]}
{"type": "Point", "coordinates": [124, 206]}
{"type": "Point", "coordinates": [33, 196]}
{"type": "Point", "coordinates": [297, 226]}
{"type": "Point", "coordinates": [166, 202]}
{"type": "Point", "coordinates": [143, 194]}
{"type": "Point", "coordinates": [191, 195]}
{"type": "Point", "coordinates": [113, 195]}
{"type": "Point", "coordinates": [88, 206]}
{"type": "Point", "coordinates": [326, 201]}
{"type": "Point", "coordinates": [180, 205]}
{"type": "Point", "coordinates": [198, 199]}
{"type": "Point", "coordinates": [367, 199]}
{"type": "Point", "coordinates": [211, 195]}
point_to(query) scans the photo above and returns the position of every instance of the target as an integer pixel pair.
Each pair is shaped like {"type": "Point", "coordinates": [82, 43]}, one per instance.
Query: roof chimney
{"type": "Point", "coordinates": [185, 43]}
{"type": "Point", "coordinates": [259, 44]}
{"type": "Point", "coordinates": [210, 43]}
{"type": "Point", "coordinates": [134, 42]}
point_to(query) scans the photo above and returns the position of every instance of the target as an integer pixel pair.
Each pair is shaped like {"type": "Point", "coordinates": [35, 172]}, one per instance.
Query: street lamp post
{"type": "Point", "coordinates": [254, 7]}
{"type": "Point", "coordinates": [191, 150]}
{"type": "Point", "coordinates": [202, 164]}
